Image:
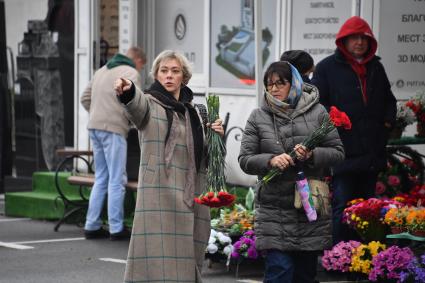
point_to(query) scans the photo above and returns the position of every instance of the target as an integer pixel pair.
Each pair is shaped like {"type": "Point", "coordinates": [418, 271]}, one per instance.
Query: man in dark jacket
{"type": "Point", "coordinates": [354, 80]}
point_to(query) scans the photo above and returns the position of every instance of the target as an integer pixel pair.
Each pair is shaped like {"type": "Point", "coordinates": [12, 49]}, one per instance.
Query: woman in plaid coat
{"type": "Point", "coordinates": [170, 231]}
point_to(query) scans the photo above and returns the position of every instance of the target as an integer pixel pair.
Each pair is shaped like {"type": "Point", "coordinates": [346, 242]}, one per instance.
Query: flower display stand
{"type": "Point", "coordinates": [407, 236]}
{"type": "Point", "coordinates": [407, 140]}
{"type": "Point", "coordinates": [400, 148]}
{"type": "Point", "coordinates": [405, 239]}
{"type": "Point", "coordinates": [397, 230]}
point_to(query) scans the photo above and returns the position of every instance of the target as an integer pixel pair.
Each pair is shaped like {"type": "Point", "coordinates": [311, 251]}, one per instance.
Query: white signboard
{"type": "Point", "coordinates": [315, 25]}
{"type": "Point", "coordinates": [402, 45]}
{"type": "Point", "coordinates": [179, 25]}
{"type": "Point", "coordinates": [232, 50]}
{"type": "Point", "coordinates": [125, 25]}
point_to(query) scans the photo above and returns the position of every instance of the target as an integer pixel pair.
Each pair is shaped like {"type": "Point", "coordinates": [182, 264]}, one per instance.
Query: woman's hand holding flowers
{"type": "Point", "coordinates": [217, 127]}
{"type": "Point", "coordinates": [336, 118]}
{"type": "Point", "coordinates": [215, 194]}
{"type": "Point", "coordinates": [302, 152]}
{"type": "Point", "coordinates": [282, 161]}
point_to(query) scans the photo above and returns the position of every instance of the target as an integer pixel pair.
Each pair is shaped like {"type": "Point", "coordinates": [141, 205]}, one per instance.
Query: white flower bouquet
{"type": "Point", "coordinates": [405, 115]}
{"type": "Point", "coordinates": [219, 246]}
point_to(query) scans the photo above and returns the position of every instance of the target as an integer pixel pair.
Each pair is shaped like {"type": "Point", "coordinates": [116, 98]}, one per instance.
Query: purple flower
{"type": "Point", "coordinates": [252, 252]}
{"type": "Point", "coordinates": [390, 263]}
{"type": "Point", "coordinates": [416, 271]}
{"type": "Point", "coordinates": [237, 245]}
{"type": "Point", "coordinates": [249, 233]}
{"type": "Point", "coordinates": [247, 241]}
{"type": "Point", "coordinates": [245, 246]}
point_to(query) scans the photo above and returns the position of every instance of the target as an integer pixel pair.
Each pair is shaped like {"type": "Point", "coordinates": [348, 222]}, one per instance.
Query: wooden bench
{"type": "Point", "coordinates": [88, 181]}
{"type": "Point", "coordinates": [82, 180]}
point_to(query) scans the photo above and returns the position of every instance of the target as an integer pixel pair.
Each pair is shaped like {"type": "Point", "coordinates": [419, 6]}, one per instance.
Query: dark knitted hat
{"type": "Point", "coordinates": [299, 59]}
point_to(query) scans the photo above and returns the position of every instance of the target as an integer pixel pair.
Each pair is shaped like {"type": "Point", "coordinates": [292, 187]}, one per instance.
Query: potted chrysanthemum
{"type": "Point", "coordinates": [339, 257]}
{"type": "Point", "coordinates": [389, 265]}
{"type": "Point", "coordinates": [245, 247]}
{"type": "Point", "coordinates": [396, 219]}
{"type": "Point", "coordinates": [415, 221]}
{"type": "Point", "coordinates": [405, 116]}
{"type": "Point", "coordinates": [219, 246]}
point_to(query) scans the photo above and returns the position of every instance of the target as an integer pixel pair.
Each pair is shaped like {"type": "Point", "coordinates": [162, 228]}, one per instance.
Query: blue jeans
{"type": "Point", "coordinates": [347, 187]}
{"type": "Point", "coordinates": [110, 158]}
{"type": "Point", "coordinates": [290, 267]}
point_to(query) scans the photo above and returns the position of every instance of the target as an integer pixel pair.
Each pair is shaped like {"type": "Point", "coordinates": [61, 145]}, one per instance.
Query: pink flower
{"type": "Point", "coordinates": [393, 180]}
{"type": "Point", "coordinates": [380, 188]}
{"type": "Point", "coordinates": [339, 258]}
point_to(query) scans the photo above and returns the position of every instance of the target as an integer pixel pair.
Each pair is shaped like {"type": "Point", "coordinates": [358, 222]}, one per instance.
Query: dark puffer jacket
{"type": "Point", "coordinates": [340, 86]}
{"type": "Point", "coordinates": [278, 225]}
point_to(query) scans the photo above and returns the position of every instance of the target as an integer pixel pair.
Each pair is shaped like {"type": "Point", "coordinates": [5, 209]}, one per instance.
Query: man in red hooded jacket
{"type": "Point", "coordinates": [354, 80]}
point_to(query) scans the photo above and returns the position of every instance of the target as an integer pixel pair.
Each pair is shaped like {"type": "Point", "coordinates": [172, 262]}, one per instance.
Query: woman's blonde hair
{"type": "Point", "coordinates": [170, 54]}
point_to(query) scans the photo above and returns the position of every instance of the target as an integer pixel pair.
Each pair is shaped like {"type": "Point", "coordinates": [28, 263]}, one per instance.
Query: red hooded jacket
{"type": "Point", "coordinates": [356, 25]}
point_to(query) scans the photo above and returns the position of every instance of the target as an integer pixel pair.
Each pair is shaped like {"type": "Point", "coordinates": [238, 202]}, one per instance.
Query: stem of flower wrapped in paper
{"type": "Point", "coordinates": [336, 118]}
{"type": "Point", "coordinates": [216, 194]}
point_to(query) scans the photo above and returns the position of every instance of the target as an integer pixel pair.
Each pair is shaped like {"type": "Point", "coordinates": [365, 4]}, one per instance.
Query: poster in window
{"type": "Point", "coordinates": [233, 42]}
{"type": "Point", "coordinates": [315, 25]}
{"type": "Point", "coordinates": [401, 45]}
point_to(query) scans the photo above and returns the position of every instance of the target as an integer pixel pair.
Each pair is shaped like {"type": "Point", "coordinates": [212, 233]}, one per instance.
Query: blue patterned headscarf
{"type": "Point", "coordinates": [296, 87]}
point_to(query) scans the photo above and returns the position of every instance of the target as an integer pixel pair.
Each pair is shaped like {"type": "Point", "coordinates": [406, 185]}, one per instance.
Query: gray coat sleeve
{"type": "Point", "coordinates": [251, 160]}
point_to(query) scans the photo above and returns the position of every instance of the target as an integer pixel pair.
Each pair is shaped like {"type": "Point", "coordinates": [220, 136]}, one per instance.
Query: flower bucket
{"type": "Point", "coordinates": [217, 257]}
{"type": "Point", "coordinates": [376, 232]}
{"type": "Point", "coordinates": [418, 233]}
{"type": "Point", "coordinates": [396, 133]}
{"type": "Point", "coordinates": [420, 128]}
{"type": "Point", "coordinates": [396, 230]}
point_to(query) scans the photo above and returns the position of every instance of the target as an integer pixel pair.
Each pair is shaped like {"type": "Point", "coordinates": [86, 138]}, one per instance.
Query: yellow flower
{"type": "Point", "coordinates": [361, 260]}
{"type": "Point", "coordinates": [396, 217]}
{"type": "Point", "coordinates": [415, 219]}
{"type": "Point", "coordinates": [354, 201]}
{"type": "Point", "coordinates": [399, 199]}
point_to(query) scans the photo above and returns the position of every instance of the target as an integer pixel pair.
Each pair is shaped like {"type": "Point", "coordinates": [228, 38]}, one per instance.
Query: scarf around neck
{"type": "Point", "coordinates": [294, 95]}
{"type": "Point", "coordinates": [180, 106]}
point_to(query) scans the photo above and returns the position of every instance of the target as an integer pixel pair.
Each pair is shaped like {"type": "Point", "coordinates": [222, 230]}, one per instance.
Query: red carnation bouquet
{"type": "Point", "coordinates": [336, 118]}
{"type": "Point", "coordinates": [216, 194]}
{"type": "Point", "coordinates": [339, 118]}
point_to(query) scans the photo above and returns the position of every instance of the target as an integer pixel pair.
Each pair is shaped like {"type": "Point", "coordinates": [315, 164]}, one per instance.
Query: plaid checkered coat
{"type": "Point", "coordinates": [169, 236]}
